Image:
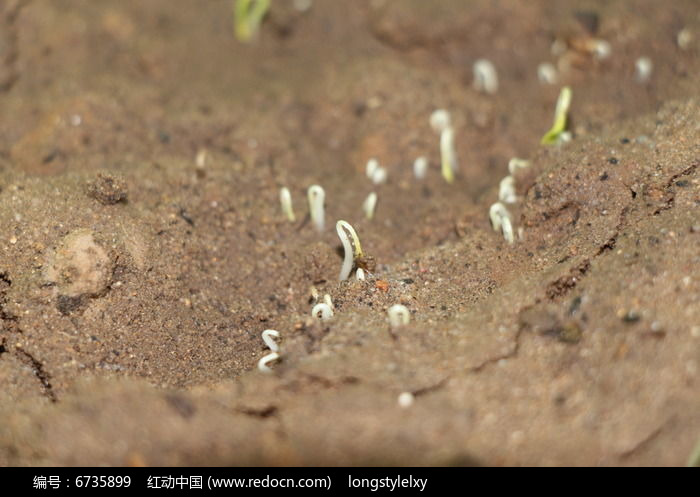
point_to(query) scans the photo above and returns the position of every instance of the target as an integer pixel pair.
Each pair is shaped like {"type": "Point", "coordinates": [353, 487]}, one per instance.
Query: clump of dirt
{"type": "Point", "coordinates": [143, 249]}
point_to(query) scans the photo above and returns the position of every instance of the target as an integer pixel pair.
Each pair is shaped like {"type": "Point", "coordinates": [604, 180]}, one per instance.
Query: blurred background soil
{"type": "Point", "coordinates": [135, 283]}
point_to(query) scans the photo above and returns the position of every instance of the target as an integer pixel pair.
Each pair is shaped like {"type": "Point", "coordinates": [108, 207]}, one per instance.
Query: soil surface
{"type": "Point", "coordinates": [143, 249]}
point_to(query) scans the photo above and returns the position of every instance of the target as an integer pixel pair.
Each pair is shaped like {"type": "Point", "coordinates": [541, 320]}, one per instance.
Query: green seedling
{"type": "Point", "coordinates": [558, 132]}
{"type": "Point", "coordinates": [247, 17]}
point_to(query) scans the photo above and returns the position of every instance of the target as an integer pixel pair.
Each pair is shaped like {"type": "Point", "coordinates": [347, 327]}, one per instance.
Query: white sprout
{"type": "Point", "coordinates": [201, 159]}
{"type": "Point", "coordinates": [514, 164]}
{"type": "Point", "coordinates": [267, 337]}
{"type": "Point", "coordinates": [322, 311]}
{"type": "Point", "coordinates": [360, 274]}
{"type": "Point", "coordinates": [601, 49]}
{"type": "Point", "coordinates": [684, 38]}
{"type": "Point", "coordinates": [439, 120]}
{"type": "Point", "coordinates": [372, 166]}
{"type": "Point", "coordinates": [317, 198]}
{"type": "Point", "coordinates": [448, 154]}
{"type": "Point", "coordinates": [547, 74]}
{"type": "Point", "coordinates": [302, 5]}
{"type": "Point", "coordinates": [501, 221]}
{"type": "Point", "coordinates": [643, 68]}
{"type": "Point", "coordinates": [485, 77]}
{"type": "Point", "coordinates": [262, 363]}
{"type": "Point", "coordinates": [398, 315]}
{"type": "Point", "coordinates": [506, 190]}
{"type": "Point", "coordinates": [286, 201]}
{"type": "Point", "coordinates": [349, 256]}
{"type": "Point", "coordinates": [369, 205]}
{"type": "Point", "coordinates": [420, 167]}
{"type": "Point", "coordinates": [328, 301]}
{"type": "Point", "coordinates": [406, 399]}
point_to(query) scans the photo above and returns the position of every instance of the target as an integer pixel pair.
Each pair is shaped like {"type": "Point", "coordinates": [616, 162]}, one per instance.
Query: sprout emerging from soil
{"type": "Point", "coordinates": [601, 49]}
{"type": "Point", "coordinates": [322, 311]}
{"type": "Point", "coordinates": [547, 74]}
{"type": "Point", "coordinates": [643, 68]}
{"type": "Point", "coordinates": [317, 198]}
{"type": "Point", "coordinates": [406, 399]}
{"type": "Point", "coordinates": [684, 39]}
{"type": "Point", "coordinates": [328, 301]}
{"type": "Point", "coordinates": [448, 154]}
{"type": "Point", "coordinates": [262, 363]}
{"type": "Point", "coordinates": [506, 190]}
{"type": "Point", "coordinates": [369, 205]}
{"type": "Point", "coordinates": [440, 120]}
{"type": "Point", "coordinates": [360, 274]}
{"type": "Point", "coordinates": [268, 337]}
{"type": "Point", "coordinates": [558, 133]}
{"type": "Point", "coordinates": [514, 164]}
{"type": "Point", "coordinates": [349, 256]}
{"type": "Point", "coordinates": [485, 77]}
{"type": "Point", "coordinates": [501, 221]}
{"type": "Point", "coordinates": [248, 15]}
{"type": "Point", "coordinates": [398, 316]}
{"type": "Point", "coordinates": [286, 201]}
{"type": "Point", "coordinates": [420, 167]}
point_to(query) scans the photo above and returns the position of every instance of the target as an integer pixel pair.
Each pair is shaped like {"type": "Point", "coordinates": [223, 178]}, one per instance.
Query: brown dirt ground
{"type": "Point", "coordinates": [134, 286]}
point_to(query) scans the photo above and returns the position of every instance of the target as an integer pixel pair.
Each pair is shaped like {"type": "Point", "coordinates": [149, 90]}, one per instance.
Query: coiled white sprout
{"type": "Point", "coordinates": [262, 363]}
{"type": "Point", "coordinates": [267, 337]}
{"type": "Point", "coordinates": [286, 202]}
{"type": "Point", "coordinates": [420, 167]}
{"type": "Point", "coordinates": [317, 198]}
{"type": "Point", "coordinates": [501, 221]}
{"type": "Point", "coordinates": [485, 77]}
{"type": "Point", "coordinates": [322, 311]}
{"type": "Point", "coordinates": [369, 205]}
{"type": "Point", "coordinates": [349, 255]}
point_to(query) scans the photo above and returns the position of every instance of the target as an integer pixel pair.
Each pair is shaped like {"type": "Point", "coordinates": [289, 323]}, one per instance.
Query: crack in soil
{"type": "Point", "coordinates": [42, 375]}
{"type": "Point", "coordinates": [508, 355]}
{"type": "Point", "coordinates": [671, 200]}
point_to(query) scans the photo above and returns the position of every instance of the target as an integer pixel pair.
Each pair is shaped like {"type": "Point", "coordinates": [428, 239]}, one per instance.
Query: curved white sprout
{"type": "Point", "coordinates": [322, 311]}
{"type": "Point", "coordinates": [349, 256]}
{"type": "Point", "coordinates": [420, 167]}
{"type": "Point", "coordinates": [317, 198]}
{"type": "Point", "coordinates": [448, 154]}
{"type": "Point", "coordinates": [398, 315]}
{"type": "Point", "coordinates": [547, 74]}
{"type": "Point", "coordinates": [506, 190]}
{"type": "Point", "coordinates": [267, 337]}
{"type": "Point", "coordinates": [286, 202]}
{"type": "Point", "coordinates": [262, 363]}
{"type": "Point", "coordinates": [369, 205]}
{"type": "Point", "coordinates": [514, 164]}
{"type": "Point", "coordinates": [360, 274]}
{"type": "Point", "coordinates": [485, 77]}
{"type": "Point", "coordinates": [439, 120]}
{"type": "Point", "coordinates": [643, 68]}
{"type": "Point", "coordinates": [501, 221]}
{"type": "Point", "coordinates": [328, 301]}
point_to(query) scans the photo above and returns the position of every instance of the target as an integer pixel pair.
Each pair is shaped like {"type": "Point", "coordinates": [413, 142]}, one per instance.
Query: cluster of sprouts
{"type": "Point", "coordinates": [375, 172]}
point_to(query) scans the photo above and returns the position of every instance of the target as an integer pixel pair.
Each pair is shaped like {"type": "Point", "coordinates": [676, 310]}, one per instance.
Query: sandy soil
{"type": "Point", "coordinates": [134, 284]}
